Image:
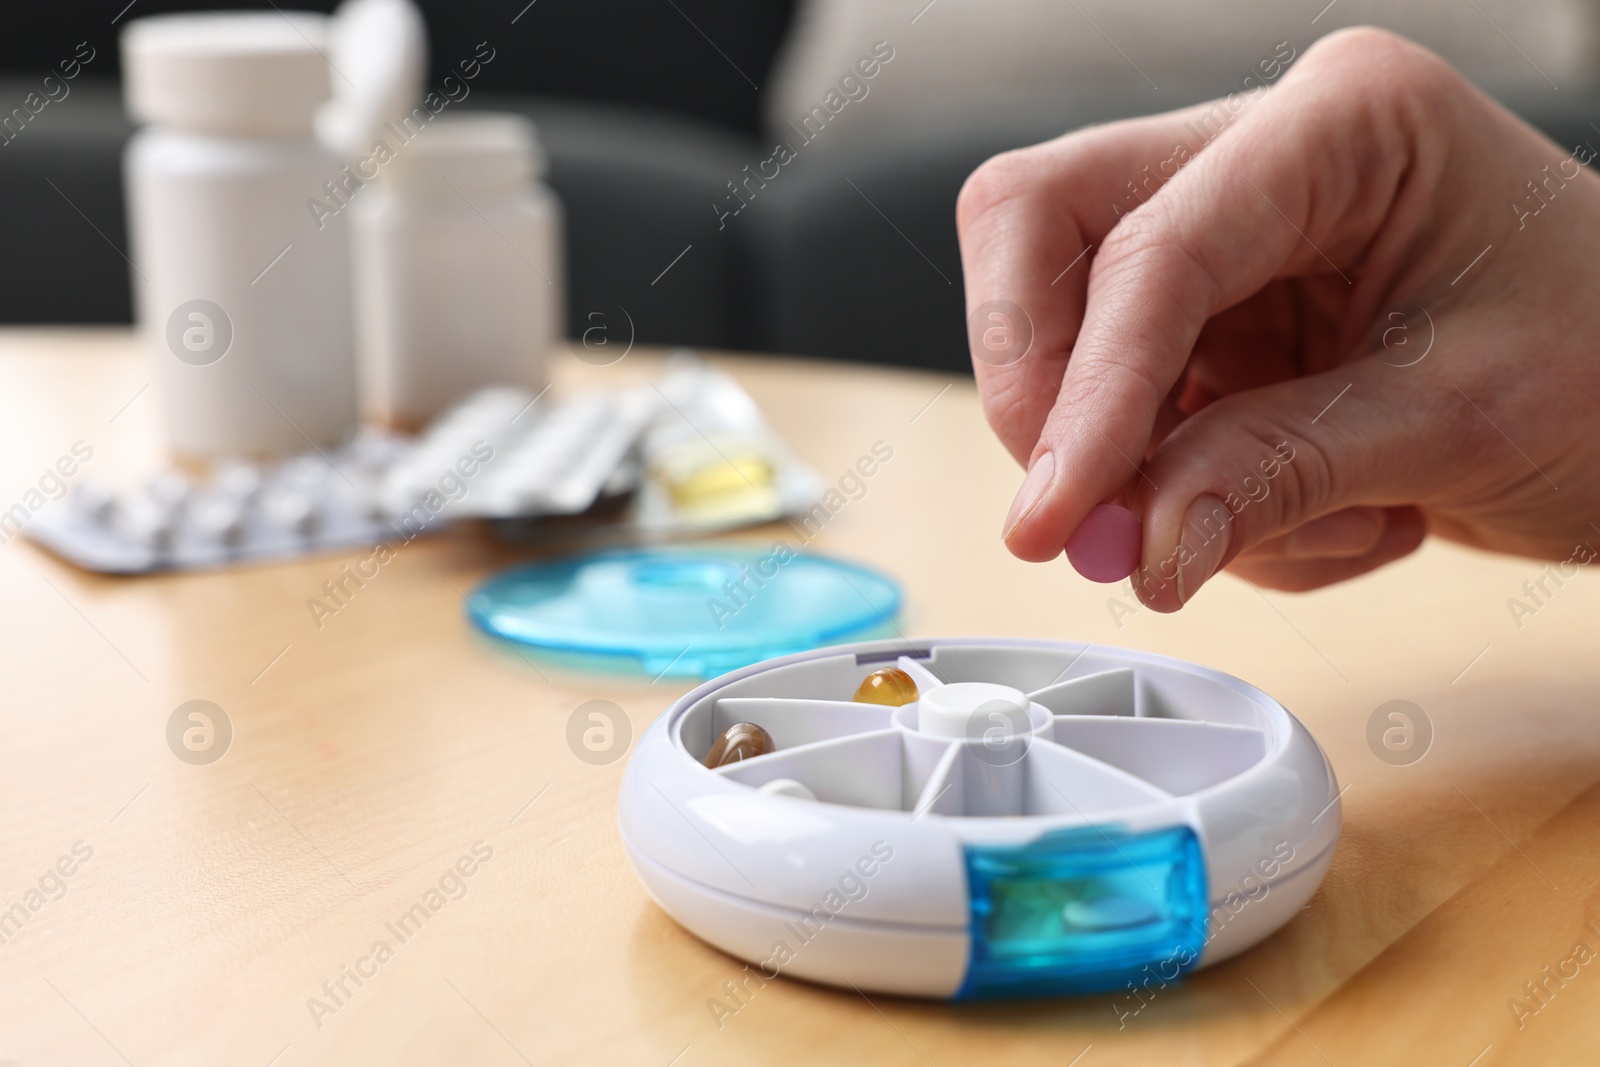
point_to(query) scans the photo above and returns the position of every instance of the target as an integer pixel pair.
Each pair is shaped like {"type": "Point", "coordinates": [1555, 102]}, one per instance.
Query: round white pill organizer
{"type": "Point", "coordinates": [1045, 818]}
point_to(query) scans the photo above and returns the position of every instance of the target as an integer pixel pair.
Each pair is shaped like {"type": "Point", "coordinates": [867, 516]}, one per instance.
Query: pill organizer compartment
{"type": "Point", "coordinates": [1104, 741]}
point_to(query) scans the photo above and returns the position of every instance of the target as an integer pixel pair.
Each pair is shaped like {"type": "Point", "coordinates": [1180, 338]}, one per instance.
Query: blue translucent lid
{"type": "Point", "coordinates": [1085, 910]}
{"type": "Point", "coordinates": [693, 611]}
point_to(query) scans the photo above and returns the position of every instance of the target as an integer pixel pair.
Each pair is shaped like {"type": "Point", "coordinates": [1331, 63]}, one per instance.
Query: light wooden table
{"type": "Point", "coordinates": [371, 754]}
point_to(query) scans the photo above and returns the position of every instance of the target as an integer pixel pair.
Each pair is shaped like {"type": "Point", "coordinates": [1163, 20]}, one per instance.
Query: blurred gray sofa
{"type": "Point", "coordinates": [851, 254]}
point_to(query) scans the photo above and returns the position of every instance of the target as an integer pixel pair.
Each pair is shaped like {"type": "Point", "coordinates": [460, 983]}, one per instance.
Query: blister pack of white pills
{"type": "Point", "coordinates": [244, 512]}
{"type": "Point", "coordinates": [501, 453]}
{"type": "Point", "coordinates": [497, 455]}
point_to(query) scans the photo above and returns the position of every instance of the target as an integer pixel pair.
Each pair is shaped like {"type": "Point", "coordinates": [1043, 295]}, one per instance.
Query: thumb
{"type": "Point", "coordinates": [1258, 465]}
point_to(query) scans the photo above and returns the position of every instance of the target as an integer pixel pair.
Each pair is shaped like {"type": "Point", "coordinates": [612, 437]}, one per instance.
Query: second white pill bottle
{"type": "Point", "coordinates": [459, 267]}
{"type": "Point", "coordinates": [241, 292]}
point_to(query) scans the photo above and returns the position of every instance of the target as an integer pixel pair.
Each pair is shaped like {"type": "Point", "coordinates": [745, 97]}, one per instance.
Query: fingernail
{"type": "Point", "coordinates": [1203, 541]}
{"type": "Point", "coordinates": [1032, 491]}
{"type": "Point", "coordinates": [1105, 546]}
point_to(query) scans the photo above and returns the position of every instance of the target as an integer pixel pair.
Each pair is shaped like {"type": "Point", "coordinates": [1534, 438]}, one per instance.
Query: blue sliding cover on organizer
{"type": "Point", "coordinates": [1084, 910]}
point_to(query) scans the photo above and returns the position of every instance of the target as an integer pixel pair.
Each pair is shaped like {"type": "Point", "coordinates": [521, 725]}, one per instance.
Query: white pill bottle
{"type": "Point", "coordinates": [242, 298]}
{"type": "Point", "coordinates": [459, 264]}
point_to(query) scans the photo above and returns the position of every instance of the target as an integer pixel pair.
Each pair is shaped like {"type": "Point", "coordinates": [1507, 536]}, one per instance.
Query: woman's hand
{"type": "Point", "coordinates": [1295, 332]}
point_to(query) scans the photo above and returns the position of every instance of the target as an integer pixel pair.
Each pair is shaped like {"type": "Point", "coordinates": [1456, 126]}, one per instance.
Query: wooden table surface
{"type": "Point", "coordinates": [208, 904]}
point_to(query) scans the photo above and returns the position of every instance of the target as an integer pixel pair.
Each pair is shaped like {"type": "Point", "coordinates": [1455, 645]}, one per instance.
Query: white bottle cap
{"type": "Point", "coordinates": [241, 74]}
{"type": "Point", "coordinates": [477, 148]}
{"type": "Point", "coordinates": [380, 58]}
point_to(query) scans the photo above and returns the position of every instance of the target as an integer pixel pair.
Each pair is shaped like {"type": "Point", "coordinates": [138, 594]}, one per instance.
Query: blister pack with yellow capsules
{"type": "Point", "coordinates": [708, 461]}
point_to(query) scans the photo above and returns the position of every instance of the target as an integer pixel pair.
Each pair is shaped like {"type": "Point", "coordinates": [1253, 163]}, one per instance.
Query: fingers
{"type": "Point", "coordinates": [1400, 532]}
{"type": "Point", "coordinates": [1347, 534]}
{"type": "Point", "coordinates": [1297, 186]}
{"type": "Point", "coordinates": [1296, 484]}
{"type": "Point", "coordinates": [1029, 223]}
{"type": "Point", "coordinates": [1249, 345]}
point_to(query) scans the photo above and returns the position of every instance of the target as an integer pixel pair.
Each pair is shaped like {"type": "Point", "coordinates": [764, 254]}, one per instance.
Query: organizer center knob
{"type": "Point", "coordinates": [965, 709]}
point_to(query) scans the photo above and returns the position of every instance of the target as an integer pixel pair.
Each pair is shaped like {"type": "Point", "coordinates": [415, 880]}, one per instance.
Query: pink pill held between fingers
{"type": "Point", "coordinates": [1105, 546]}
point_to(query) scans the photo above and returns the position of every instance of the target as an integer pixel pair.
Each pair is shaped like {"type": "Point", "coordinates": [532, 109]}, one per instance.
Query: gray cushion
{"type": "Point", "coordinates": [63, 226]}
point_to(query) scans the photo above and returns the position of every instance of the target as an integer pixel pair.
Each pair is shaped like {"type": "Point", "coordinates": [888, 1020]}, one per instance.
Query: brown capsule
{"type": "Point", "coordinates": [889, 686]}
{"type": "Point", "coordinates": [742, 740]}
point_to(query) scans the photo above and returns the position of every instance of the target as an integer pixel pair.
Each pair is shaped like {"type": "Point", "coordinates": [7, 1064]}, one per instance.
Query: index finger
{"type": "Point", "coordinates": [1030, 221]}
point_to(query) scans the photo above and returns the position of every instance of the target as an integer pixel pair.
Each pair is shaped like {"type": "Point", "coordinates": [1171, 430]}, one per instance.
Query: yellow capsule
{"type": "Point", "coordinates": [740, 474]}
{"type": "Point", "coordinates": [717, 483]}
{"type": "Point", "coordinates": [742, 740]}
{"type": "Point", "coordinates": [890, 686]}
